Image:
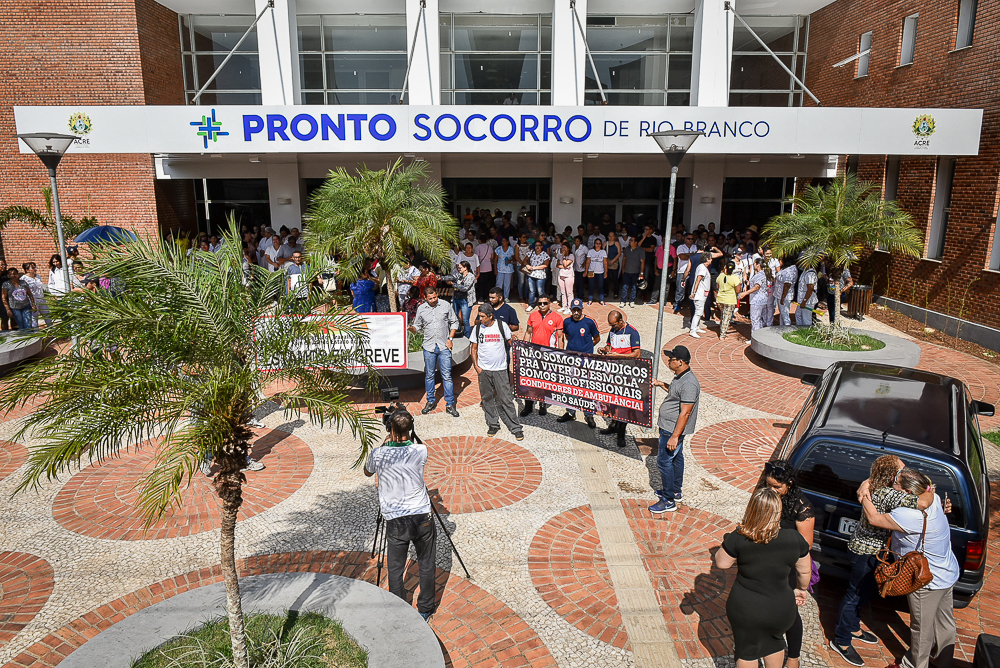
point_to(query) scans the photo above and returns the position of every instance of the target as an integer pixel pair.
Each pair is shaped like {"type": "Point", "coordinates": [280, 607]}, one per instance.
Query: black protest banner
{"type": "Point", "coordinates": [619, 389]}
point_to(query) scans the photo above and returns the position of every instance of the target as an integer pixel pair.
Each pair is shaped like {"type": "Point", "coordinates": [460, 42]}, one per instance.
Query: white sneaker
{"type": "Point", "coordinates": [206, 467]}
{"type": "Point", "coordinates": [253, 465]}
{"type": "Point", "coordinates": [694, 335]}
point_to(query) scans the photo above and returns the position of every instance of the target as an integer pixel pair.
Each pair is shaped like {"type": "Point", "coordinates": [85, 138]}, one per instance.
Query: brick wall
{"type": "Point", "coordinates": [938, 77]}
{"type": "Point", "coordinates": [114, 52]}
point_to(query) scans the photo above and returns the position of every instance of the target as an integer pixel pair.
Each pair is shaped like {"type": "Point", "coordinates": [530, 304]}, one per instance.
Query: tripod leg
{"type": "Point", "coordinates": [378, 529]}
{"type": "Point", "coordinates": [450, 542]}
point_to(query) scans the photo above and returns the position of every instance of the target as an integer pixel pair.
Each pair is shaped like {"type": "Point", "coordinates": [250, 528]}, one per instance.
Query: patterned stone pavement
{"type": "Point", "coordinates": [470, 475]}
{"type": "Point", "coordinates": [542, 592]}
{"type": "Point", "coordinates": [100, 501]}
{"type": "Point", "coordinates": [25, 585]}
{"type": "Point", "coordinates": [735, 450]}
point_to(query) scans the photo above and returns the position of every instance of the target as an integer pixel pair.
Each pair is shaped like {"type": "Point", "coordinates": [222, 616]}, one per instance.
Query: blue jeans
{"type": "Point", "coordinates": [439, 358]}
{"type": "Point", "coordinates": [503, 282]}
{"type": "Point", "coordinates": [671, 465]}
{"type": "Point", "coordinates": [522, 284]}
{"type": "Point", "coordinates": [462, 308]}
{"type": "Point", "coordinates": [628, 287]}
{"type": "Point", "coordinates": [24, 318]}
{"type": "Point", "coordinates": [596, 284]}
{"type": "Point", "coordinates": [536, 288]}
{"type": "Point", "coordinates": [860, 588]}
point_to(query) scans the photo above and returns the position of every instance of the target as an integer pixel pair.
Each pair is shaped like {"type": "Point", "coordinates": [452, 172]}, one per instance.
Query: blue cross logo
{"type": "Point", "coordinates": [209, 128]}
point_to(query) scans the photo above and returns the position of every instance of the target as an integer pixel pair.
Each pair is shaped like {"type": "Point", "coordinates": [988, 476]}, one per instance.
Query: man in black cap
{"type": "Point", "coordinates": [677, 419]}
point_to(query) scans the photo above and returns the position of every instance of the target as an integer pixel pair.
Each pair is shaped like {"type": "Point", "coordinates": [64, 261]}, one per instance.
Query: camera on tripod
{"type": "Point", "coordinates": [393, 406]}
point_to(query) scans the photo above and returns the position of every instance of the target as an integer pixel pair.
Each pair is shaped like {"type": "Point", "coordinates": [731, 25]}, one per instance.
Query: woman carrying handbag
{"type": "Point", "coordinates": [925, 571]}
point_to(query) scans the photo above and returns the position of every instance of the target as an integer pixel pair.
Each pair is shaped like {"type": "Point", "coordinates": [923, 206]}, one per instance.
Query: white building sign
{"type": "Point", "coordinates": [504, 129]}
{"type": "Point", "coordinates": [385, 344]}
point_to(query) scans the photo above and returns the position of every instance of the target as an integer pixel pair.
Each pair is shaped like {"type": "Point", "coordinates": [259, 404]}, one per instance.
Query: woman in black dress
{"type": "Point", "coordinates": [762, 605]}
{"type": "Point", "coordinates": [796, 513]}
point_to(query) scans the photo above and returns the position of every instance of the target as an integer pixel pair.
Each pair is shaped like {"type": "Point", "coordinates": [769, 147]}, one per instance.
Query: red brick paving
{"type": "Point", "coordinates": [100, 501]}
{"type": "Point", "coordinates": [26, 583]}
{"type": "Point", "coordinates": [728, 369]}
{"type": "Point", "coordinates": [21, 411]}
{"type": "Point", "coordinates": [982, 378]}
{"type": "Point", "coordinates": [889, 619]}
{"type": "Point", "coordinates": [474, 627]}
{"type": "Point", "coordinates": [12, 455]}
{"type": "Point", "coordinates": [736, 450]}
{"type": "Point", "coordinates": [474, 474]}
{"type": "Point", "coordinates": [568, 569]}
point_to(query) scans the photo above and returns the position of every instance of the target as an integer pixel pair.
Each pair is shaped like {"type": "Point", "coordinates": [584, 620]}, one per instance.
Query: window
{"type": "Point", "coordinates": [756, 80]}
{"type": "Point", "coordinates": [909, 40]}
{"type": "Point", "coordinates": [942, 206]}
{"type": "Point", "coordinates": [837, 469]}
{"type": "Point", "coordinates": [246, 199]}
{"type": "Point", "coordinates": [641, 60]}
{"type": "Point", "coordinates": [851, 167]}
{"type": "Point", "coordinates": [890, 188]}
{"type": "Point", "coordinates": [975, 453]}
{"type": "Point", "coordinates": [636, 201]}
{"type": "Point", "coordinates": [754, 201]}
{"type": "Point", "coordinates": [966, 23]}
{"type": "Point", "coordinates": [205, 43]}
{"type": "Point", "coordinates": [496, 59]}
{"type": "Point", "coordinates": [352, 59]}
{"type": "Point", "coordinates": [995, 252]}
{"type": "Point", "coordinates": [865, 44]}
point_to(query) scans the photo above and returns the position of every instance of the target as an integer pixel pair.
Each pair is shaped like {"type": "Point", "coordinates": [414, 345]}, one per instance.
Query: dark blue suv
{"type": "Point", "coordinates": [859, 412]}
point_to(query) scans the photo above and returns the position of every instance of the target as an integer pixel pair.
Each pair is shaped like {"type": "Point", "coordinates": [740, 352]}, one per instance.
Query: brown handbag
{"type": "Point", "coordinates": [903, 575]}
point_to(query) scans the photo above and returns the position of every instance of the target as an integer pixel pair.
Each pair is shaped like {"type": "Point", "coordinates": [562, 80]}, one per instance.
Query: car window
{"type": "Point", "coordinates": [837, 469]}
{"type": "Point", "coordinates": [975, 454]}
{"type": "Point", "coordinates": [799, 425]}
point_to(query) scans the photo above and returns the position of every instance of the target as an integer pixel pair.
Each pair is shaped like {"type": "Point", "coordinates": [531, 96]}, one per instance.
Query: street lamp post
{"type": "Point", "coordinates": [50, 147]}
{"type": "Point", "coordinates": [674, 144]}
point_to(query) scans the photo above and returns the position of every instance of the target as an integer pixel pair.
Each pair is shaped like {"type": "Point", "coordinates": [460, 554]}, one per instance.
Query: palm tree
{"type": "Point", "coordinates": [46, 219]}
{"type": "Point", "coordinates": [171, 359]}
{"type": "Point", "coordinates": [837, 223]}
{"type": "Point", "coordinates": [380, 215]}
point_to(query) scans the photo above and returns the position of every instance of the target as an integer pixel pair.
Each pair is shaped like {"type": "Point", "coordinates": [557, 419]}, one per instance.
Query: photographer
{"type": "Point", "coordinates": [406, 507]}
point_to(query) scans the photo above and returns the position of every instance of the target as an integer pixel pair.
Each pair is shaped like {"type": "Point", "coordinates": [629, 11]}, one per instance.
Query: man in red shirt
{"type": "Point", "coordinates": [623, 341]}
{"type": "Point", "coordinates": [544, 328]}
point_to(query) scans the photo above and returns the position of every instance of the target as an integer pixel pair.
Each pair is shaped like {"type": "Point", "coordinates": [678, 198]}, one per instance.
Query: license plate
{"type": "Point", "coordinates": [847, 526]}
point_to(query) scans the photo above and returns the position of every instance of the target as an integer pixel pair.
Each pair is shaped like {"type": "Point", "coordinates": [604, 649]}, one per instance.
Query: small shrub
{"type": "Point", "coordinates": [827, 337]}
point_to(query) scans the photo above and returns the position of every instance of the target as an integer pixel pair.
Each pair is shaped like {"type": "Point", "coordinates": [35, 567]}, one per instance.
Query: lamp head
{"type": "Point", "coordinates": [675, 143]}
{"type": "Point", "coordinates": [49, 146]}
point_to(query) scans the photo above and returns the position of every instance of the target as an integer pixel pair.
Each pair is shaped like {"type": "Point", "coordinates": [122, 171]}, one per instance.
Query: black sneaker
{"type": "Point", "coordinates": [519, 436]}
{"type": "Point", "coordinates": [542, 410]}
{"type": "Point", "coordinates": [849, 654]}
{"type": "Point", "coordinates": [451, 410]}
{"type": "Point", "coordinates": [565, 417]}
{"type": "Point", "coordinates": [493, 431]}
{"type": "Point", "coordinates": [428, 407]}
{"type": "Point", "coordinates": [590, 421]}
{"type": "Point", "coordinates": [866, 637]}
{"type": "Point", "coordinates": [525, 412]}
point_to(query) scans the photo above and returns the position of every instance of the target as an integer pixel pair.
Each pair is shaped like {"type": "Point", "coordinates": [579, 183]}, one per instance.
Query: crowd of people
{"type": "Point", "coordinates": [26, 297]}
{"type": "Point", "coordinates": [770, 549]}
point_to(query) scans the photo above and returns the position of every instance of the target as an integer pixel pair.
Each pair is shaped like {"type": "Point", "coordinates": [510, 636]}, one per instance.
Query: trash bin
{"type": "Point", "coordinates": [859, 301]}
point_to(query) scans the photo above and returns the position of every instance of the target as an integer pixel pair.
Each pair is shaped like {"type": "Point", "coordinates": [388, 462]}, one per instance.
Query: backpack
{"type": "Point", "coordinates": [506, 340]}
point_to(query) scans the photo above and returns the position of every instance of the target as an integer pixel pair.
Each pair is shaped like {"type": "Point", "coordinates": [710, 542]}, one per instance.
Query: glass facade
{"type": "Point", "coordinates": [756, 79]}
{"type": "Point", "coordinates": [505, 194]}
{"type": "Point", "coordinates": [754, 201]}
{"type": "Point", "coordinates": [641, 60]}
{"type": "Point", "coordinates": [631, 201]}
{"type": "Point", "coordinates": [352, 59]}
{"type": "Point", "coordinates": [246, 199]}
{"type": "Point", "coordinates": [496, 59]}
{"type": "Point", "coordinates": [205, 43]}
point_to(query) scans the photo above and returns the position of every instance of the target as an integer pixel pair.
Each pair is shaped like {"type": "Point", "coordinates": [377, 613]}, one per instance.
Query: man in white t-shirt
{"type": "Point", "coordinates": [699, 291]}
{"type": "Point", "coordinates": [685, 251]}
{"type": "Point", "coordinates": [491, 352]}
{"type": "Point", "coordinates": [263, 245]}
{"type": "Point", "coordinates": [406, 508]}
{"type": "Point", "coordinates": [807, 297]}
{"type": "Point", "coordinates": [273, 260]}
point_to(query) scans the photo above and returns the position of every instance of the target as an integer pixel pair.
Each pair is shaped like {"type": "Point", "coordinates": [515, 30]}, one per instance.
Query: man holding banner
{"type": "Point", "coordinates": [623, 342]}
{"type": "Point", "coordinates": [581, 334]}
{"type": "Point", "coordinates": [490, 348]}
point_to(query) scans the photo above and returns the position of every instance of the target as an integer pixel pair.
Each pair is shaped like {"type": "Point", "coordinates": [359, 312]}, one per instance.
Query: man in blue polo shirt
{"type": "Point", "coordinates": [623, 342]}
{"type": "Point", "coordinates": [581, 335]}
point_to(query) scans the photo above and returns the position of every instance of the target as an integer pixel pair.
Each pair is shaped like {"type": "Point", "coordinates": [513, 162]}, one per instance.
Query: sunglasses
{"type": "Point", "coordinates": [774, 471]}
{"type": "Point", "coordinates": [543, 303]}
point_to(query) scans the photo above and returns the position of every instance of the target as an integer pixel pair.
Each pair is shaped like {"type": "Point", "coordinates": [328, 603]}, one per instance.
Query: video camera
{"type": "Point", "coordinates": [390, 395]}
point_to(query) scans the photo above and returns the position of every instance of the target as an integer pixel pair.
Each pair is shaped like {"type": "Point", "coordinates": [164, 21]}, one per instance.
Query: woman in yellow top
{"type": "Point", "coordinates": [726, 287]}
